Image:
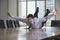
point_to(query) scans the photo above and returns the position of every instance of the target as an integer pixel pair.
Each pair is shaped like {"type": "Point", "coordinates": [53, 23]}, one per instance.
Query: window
{"type": "Point", "coordinates": [31, 7]}
{"type": "Point", "coordinates": [22, 11]}
{"type": "Point", "coordinates": [50, 4]}
{"type": "Point", "coordinates": [41, 5]}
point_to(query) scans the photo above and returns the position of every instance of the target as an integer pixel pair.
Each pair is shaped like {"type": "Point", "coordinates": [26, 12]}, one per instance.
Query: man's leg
{"type": "Point", "coordinates": [48, 11]}
{"type": "Point", "coordinates": [36, 12]}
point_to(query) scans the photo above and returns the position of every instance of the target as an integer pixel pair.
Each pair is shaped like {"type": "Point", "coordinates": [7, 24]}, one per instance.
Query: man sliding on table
{"type": "Point", "coordinates": [34, 22]}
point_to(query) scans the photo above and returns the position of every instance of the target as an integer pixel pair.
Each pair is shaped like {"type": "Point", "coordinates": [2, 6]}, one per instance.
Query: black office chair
{"type": "Point", "coordinates": [16, 23]}
{"type": "Point", "coordinates": [2, 25]}
{"type": "Point", "coordinates": [55, 23]}
{"type": "Point", "coordinates": [9, 23]}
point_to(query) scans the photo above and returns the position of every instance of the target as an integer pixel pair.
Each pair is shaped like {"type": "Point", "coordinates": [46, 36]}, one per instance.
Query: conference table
{"type": "Point", "coordinates": [25, 34]}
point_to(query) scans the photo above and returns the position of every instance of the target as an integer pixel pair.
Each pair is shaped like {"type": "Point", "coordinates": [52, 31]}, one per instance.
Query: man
{"type": "Point", "coordinates": [34, 22]}
{"type": "Point", "coordinates": [35, 15]}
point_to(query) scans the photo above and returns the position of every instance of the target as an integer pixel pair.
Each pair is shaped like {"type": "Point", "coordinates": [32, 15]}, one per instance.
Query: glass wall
{"type": "Point", "coordinates": [31, 7]}
{"type": "Point", "coordinates": [41, 5]}
{"type": "Point", "coordinates": [22, 11]}
{"type": "Point", "coordinates": [50, 4]}
{"type": "Point", "coordinates": [26, 7]}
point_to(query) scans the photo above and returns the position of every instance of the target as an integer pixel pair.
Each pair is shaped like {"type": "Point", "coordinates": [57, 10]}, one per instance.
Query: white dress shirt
{"type": "Point", "coordinates": [37, 22]}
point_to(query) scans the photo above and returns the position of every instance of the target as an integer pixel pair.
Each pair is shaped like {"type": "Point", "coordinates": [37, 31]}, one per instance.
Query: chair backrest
{"type": "Point", "coordinates": [9, 23]}
{"type": "Point", "coordinates": [55, 23]}
{"type": "Point", "coordinates": [16, 23]}
{"type": "Point", "coordinates": [2, 25]}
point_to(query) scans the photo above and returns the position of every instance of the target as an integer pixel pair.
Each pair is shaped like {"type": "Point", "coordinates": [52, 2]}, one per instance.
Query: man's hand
{"type": "Point", "coordinates": [9, 14]}
{"type": "Point", "coordinates": [54, 12]}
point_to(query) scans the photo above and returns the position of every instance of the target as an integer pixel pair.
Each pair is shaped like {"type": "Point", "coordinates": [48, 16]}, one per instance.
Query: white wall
{"type": "Point", "coordinates": [12, 7]}
{"type": "Point", "coordinates": [8, 6]}
{"type": "Point", "coordinates": [3, 9]}
{"type": "Point", "coordinates": [58, 8]}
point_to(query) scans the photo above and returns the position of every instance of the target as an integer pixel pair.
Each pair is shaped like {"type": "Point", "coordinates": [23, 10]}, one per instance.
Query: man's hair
{"type": "Point", "coordinates": [30, 15]}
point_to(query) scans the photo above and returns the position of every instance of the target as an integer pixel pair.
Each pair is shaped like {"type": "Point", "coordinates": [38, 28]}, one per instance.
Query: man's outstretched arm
{"type": "Point", "coordinates": [54, 12]}
{"type": "Point", "coordinates": [17, 18]}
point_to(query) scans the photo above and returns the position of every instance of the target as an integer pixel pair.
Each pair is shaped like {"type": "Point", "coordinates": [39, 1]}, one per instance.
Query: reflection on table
{"type": "Point", "coordinates": [25, 34]}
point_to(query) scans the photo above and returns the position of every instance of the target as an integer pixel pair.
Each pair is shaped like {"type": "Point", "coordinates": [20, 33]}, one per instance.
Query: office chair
{"type": "Point", "coordinates": [2, 25]}
{"type": "Point", "coordinates": [9, 23]}
{"type": "Point", "coordinates": [55, 23]}
{"type": "Point", "coordinates": [16, 23]}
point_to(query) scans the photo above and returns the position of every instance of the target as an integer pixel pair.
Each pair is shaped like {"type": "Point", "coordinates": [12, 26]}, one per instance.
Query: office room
{"type": "Point", "coordinates": [29, 20]}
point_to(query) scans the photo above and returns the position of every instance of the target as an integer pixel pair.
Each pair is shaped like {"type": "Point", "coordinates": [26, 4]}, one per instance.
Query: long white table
{"type": "Point", "coordinates": [25, 34]}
